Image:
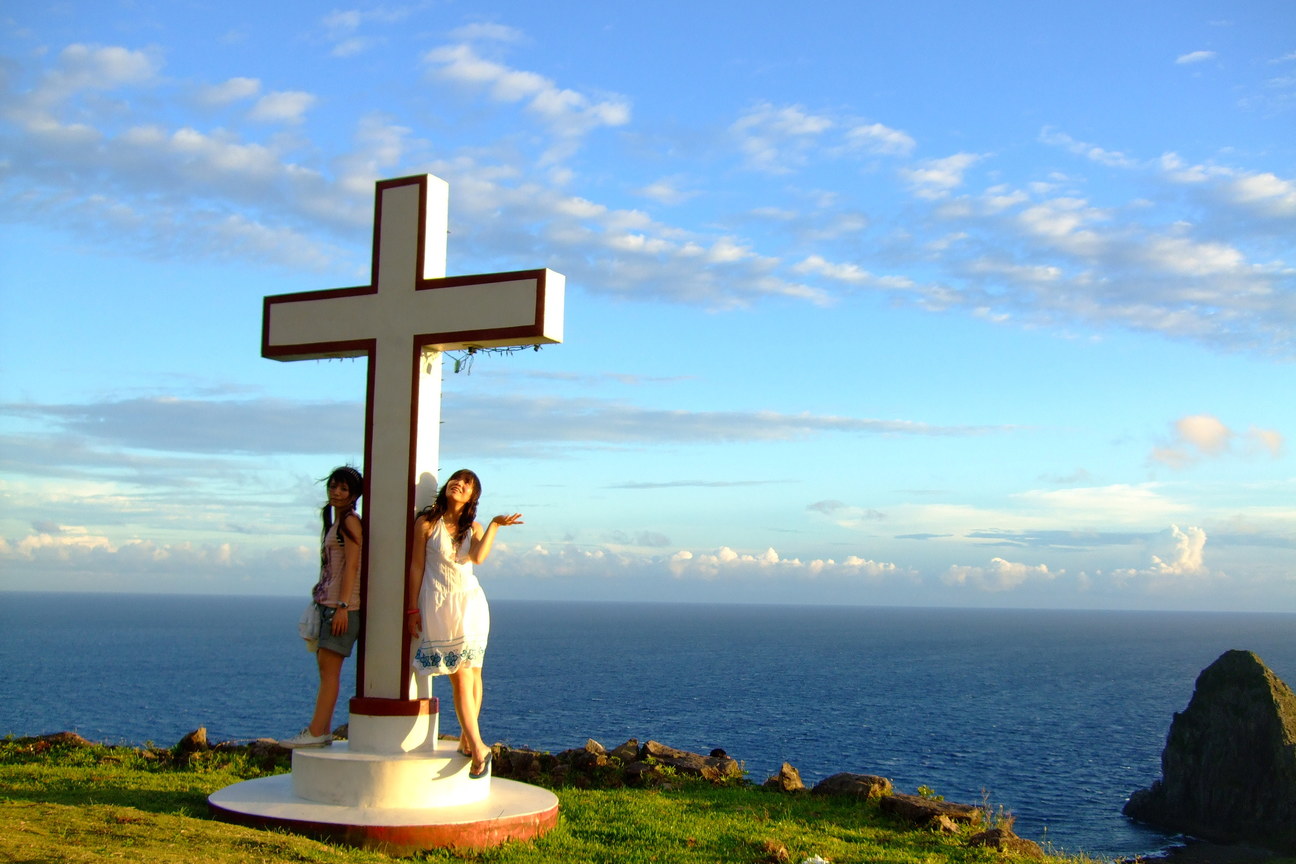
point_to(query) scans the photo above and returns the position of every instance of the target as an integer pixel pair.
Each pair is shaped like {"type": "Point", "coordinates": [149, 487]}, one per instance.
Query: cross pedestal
{"type": "Point", "coordinates": [394, 784]}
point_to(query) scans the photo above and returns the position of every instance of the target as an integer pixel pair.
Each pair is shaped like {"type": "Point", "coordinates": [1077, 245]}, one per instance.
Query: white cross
{"type": "Point", "coordinates": [402, 321]}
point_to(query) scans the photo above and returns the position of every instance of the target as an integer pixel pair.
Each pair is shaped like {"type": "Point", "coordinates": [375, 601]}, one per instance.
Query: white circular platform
{"type": "Point", "coordinates": [511, 811]}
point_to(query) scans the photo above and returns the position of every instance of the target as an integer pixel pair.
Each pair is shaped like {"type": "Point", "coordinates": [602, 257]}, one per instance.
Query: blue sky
{"type": "Point", "coordinates": [900, 304]}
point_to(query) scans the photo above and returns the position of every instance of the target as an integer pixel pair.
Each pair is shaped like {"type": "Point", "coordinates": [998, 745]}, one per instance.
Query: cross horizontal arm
{"type": "Point", "coordinates": [486, 311]}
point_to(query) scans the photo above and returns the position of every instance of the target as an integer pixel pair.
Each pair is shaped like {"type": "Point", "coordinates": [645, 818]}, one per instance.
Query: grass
{"type": "Point", "coordinates": [76, 803]}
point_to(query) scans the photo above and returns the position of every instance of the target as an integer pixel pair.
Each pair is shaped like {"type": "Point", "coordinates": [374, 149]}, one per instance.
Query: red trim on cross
{"type": "Point", "coordinates": [371, 706]}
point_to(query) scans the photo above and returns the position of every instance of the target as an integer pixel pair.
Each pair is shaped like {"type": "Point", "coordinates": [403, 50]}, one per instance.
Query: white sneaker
{"type": "Point", "coordinates": [306, 739]}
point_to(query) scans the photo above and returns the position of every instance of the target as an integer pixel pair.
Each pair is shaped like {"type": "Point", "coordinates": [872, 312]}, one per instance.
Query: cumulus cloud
{"type": "Point", "coordinates": [74, 547]}
{"type": "Point", "coordinates": [288, 106]}
{"type": "Point", "coordinates": [776, 139]}
{"type": "Point", "coordinates": [1265, 193]}
{"type": "Point", "coordinates": [1176, 557]}
{"type": "Point", "coordinates": [1181, 552]}
{"type": "Point", "coordinates": [1041, 254]}
{"type": "Point", "coordinates": [75, 559]}
{"type": "Point", "coordinates": [725, 563]}
{"type": "Point", "coordinates": [1262, 194]}
{"type": "Point", "coordinates": [852, 274]}
{"type": "Point", "coordinates": [1203, 436]}
{"type": "Point", "coordinates": [1000, 575]}
{"type": "Point", "coordinates": [1091, 507]}
{"type": "Point", "coordinates": [1058, 258]}
{"type": "Point", "coordinates": [937, 178]}
{"type": "Point", "coordinates": [96, 67]}
{"type": "Point", "coordinates": [846, 515]}
{"type": "Point", "coordinates": [232, 90]}
{"type": "Point", "coordinates": [343, 27]}
{"type": "Point", "coordinates": [1102, 156]}
{"type": "Point", "coordinates": [667, 190]}
{"type": "Point", "coordinates": [781, 139]}
{"type": "Point", "coordinates": [568, 113]}
{"type": "Point", "coordinates": [487, 31]}
{"type": "Point", "coordinates": [876, 138]}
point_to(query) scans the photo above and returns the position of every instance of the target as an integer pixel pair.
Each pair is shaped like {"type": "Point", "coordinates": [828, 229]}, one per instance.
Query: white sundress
{"type": "Point", "coordinates": [456, 617]}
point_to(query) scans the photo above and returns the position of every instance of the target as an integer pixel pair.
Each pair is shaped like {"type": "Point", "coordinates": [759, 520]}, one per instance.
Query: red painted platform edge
{"type": "Point", "coordinates": [406, 839]}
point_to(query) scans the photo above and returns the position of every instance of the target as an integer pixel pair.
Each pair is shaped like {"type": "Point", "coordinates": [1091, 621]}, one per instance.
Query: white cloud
{"type": "Point", "coordinates": [483, 31]}
{"type": "Point", "coordinates": [77, 560]}
{"type": "Point", "coordinates": [1059, 262]}
{"type": "Point", "coordinates": [342, 21]}
{"type": "Point", "coordinates": [1175, 170]}
{"type": "Point", "coordinates": [1092, 152]}
{"type": "Point", "coordinates": [1001, 575]}
{"type": "Point", "coordinates": [846, 515]}
{"type": "Point", "coordinates": [92, 67]}
{"type": "Point", "coordinates": [1181, 552]}
{"type": "Point", "coordinates": [233, 90]}
{"type": "Point", "coordinates": [567, 113]}
{"type": "Point", "coordinates": [876, 138]}
{"type": "Point", "coordinates": [936, 178]}
{"type": "Point", "coordinates": [725, 563]}
{"type": "Point", "coordinates": [1263, 193]}
{"type": "Point", "coordinates": [1121, 504]}
{"type": "Point", "coordinates": [778, 139]}
{"type": "Point", "coordinates": [342, 27]}
{"type": "Point", "coordinates": [667, 191]}
{"type": "Point", "coordinates": [1204, 432]}
{"type": "Point", "coordinates": [1268, 441]}
{"type": "Point", "coordinates": [1066, 223]}
{"type": "Point", "coordinates": [287, 106]}
{"type": "Point", "coordinates": [1173, 254]}
{"type": "Point", "coordinates": [1176, 560]}
{"type": "Point", "coordinates": [1204, 436]}
{"type": "Point", "coordinates": [1266, 192]}
{"type": "Point", "coordinates": [1194, 57]}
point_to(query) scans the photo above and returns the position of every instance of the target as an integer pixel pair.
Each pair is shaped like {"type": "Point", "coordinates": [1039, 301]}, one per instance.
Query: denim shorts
{"type": "Point", "coordinates": [338, 644]}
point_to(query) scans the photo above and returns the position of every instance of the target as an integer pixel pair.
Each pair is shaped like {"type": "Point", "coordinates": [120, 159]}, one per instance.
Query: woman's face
{"type": "Point", "coordinates": [460, 489]}
{"type": "Point", "coordinates": [339, 494]}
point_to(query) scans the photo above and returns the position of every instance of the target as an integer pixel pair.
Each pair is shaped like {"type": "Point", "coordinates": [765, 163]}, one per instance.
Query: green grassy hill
{"type": "Point", "coordinates": [62, 799]}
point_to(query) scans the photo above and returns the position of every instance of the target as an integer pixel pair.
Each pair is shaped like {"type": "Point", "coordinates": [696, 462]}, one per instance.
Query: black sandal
{"type": "Point", "coordinates": [484, 771]}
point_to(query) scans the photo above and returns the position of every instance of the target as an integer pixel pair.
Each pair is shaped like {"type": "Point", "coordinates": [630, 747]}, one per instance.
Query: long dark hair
{"type": "Point", "coordinates": [355, 485]}
{"type": "Point", "coordinates": [467, 517]}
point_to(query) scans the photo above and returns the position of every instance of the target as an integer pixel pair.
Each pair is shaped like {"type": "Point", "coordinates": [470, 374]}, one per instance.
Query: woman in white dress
{"type": "Point", "coordinates": [451, 623]}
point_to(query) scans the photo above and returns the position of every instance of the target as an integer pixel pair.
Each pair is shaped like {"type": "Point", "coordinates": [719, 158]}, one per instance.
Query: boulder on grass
{"type": "Point", "coordinates": [1004, 840]}
{"type": "Point", "coordinates": [855, 785]}
{"type": "Point", "coordinates": [921, 811]}
{"type": "Point", "coordinates": [788, 779]}
{"type": "Point", "coordinates": [713, 768]}
{"type": "Point", "coordinates": [194, 742]}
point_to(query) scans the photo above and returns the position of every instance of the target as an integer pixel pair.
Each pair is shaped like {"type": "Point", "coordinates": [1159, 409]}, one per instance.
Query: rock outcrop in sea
{"type": "Point", "coordinates": [1228, 771]}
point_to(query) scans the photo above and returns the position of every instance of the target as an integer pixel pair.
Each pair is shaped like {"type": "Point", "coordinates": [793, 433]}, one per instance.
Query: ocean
{"type": "Point", "coordinates": [1056, 716]}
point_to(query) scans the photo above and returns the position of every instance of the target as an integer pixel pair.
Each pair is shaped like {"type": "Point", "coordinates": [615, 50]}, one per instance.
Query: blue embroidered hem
{"type": "Point", "coordinates": [429, 659]}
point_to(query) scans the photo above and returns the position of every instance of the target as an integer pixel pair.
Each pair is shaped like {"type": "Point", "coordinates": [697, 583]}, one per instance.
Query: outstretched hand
{"type": "Point", "coordinates": [513, 519]}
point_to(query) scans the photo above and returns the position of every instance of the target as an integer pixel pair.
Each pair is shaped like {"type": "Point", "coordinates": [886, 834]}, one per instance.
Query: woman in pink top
{"type": "Point", "coordinates": [337, 599]}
